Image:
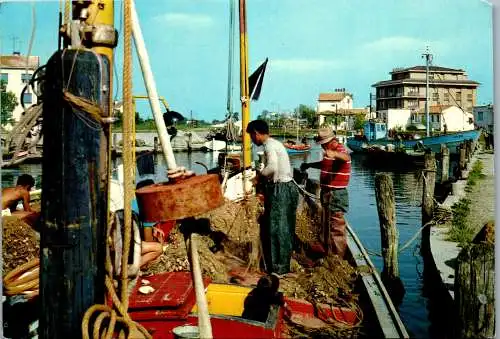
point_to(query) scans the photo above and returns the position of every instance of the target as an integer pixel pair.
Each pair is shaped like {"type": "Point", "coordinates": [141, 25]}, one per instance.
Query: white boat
{"type": "Point", "coordinates": [220, 145]}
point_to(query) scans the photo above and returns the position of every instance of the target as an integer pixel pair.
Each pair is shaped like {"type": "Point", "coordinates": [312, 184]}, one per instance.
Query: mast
{"type": "Point", "coordinates": [428, 58]}
{"type": "Point", "coordinates": [245, 97]}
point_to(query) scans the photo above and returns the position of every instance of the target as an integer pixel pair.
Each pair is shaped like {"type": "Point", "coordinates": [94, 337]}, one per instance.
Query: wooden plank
{"type": "Point", "coordinates": [385, 312]}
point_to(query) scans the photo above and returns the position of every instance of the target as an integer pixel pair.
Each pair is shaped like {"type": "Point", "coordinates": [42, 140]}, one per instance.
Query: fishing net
{"type": "Point", "coordinates": [20, 243]}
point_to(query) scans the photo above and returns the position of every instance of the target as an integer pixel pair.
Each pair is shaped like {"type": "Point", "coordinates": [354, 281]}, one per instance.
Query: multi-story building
{"type": "Point", "coordinates": [16, 71]}
{"type": "Point", "coordinates": [484, 116]}
{"type": "Point", "coordinates": [340, 104]}
{"type": "Point", "coordinates": [406, 89]}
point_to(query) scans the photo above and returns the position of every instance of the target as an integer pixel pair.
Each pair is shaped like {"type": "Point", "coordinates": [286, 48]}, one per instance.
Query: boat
{"type": "Point", "coordinates": [293, 148]}
{"type": "Point", "coordinates": [72, 276]}
{"type": "Point", "coordinates": [220, 145]}
{"type": "Point", "coordinates": [375, 135]}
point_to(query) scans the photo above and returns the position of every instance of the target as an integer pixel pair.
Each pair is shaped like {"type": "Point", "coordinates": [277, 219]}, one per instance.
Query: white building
{"type": "Point", "coordinates": [331, 103]}
{"type": "Point", "coordinates": [483, 117]}
{"type": "Point", "coordinates": [440, 115]}
{"type": "Point", "coordinates": [16, 72]}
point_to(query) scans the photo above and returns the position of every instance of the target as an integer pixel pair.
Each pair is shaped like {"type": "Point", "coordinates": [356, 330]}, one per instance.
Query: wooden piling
{"type": "Point", "coordinates": [155, 144]}
{"type": "Point", "coordinates": [445, 163]}
{"type": "Point", "coordinates": [475, 291]}
{"type": "Point", "coordinates": [386, 206]}
{"type": "Point", "coordinates": [462, 161]}
{"type": "Point", "coordinates": [428, 187]}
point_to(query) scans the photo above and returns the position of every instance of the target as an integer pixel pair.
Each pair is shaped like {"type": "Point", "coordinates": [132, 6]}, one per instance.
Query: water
{"type": "Point", "coordinates": [362, 217]}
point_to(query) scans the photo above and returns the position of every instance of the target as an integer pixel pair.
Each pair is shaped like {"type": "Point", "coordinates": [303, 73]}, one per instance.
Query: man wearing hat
{"type": "Point", "coordinates": [334, 177]}
{"type": "Point", "coordinates": [281, 200]}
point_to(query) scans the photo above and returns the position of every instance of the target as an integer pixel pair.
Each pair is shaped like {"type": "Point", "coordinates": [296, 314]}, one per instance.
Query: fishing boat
{"type": "Point", "coordinates": [75, 231]}
{"type": "Point", "coordinates": [375, 134]}
{"type": "Point", "coordinates": [293, 148]}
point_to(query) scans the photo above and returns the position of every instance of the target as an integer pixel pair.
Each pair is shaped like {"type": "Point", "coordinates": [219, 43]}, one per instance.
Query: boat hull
{"type": "Point", "coordinates": [451, 140]}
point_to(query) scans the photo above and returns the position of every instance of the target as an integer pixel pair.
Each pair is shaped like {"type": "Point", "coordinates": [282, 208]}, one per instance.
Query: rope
{"type": "Point", "coordinates": [120, 303]}
{"type": "Point", "coordinates": [24, 279]}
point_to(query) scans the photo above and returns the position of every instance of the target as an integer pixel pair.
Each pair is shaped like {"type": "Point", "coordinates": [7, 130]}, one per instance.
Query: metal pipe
{"type": "Point", "coordinates": [150, 84]}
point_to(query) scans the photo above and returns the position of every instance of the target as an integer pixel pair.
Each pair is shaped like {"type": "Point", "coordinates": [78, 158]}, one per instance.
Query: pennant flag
{"type": "Point", "coordinates": [255, 81]}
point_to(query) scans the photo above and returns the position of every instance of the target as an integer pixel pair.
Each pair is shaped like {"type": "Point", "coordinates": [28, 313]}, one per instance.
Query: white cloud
{"type": "Point", "coordinates": [401, 44]}
{"type": "Point", "coordinates": [185, 20]}
{"type": "Point", "coordinates": [303, 65]}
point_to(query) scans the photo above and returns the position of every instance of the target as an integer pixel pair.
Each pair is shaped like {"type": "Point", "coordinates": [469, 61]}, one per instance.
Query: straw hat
{"type": "Point", "coordinates": [325, 135]}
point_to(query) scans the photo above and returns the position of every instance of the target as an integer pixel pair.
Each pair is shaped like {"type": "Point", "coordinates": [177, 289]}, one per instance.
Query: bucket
{"type": "Point", "coordinates": [186, 332]}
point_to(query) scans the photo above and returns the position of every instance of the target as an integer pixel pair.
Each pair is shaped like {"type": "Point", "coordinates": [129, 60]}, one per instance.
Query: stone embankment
{"type": "Point", "coordinates": [482, 210]}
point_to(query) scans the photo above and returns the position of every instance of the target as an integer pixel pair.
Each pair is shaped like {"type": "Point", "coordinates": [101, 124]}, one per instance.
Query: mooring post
{"type": "Point", "coordinates": [429, 183]}
{"type": "Point", "coordinates": [445, 163]}
{"type": "Point", "coordinates": [462, 160]}
{"type": "Point", "coordinates": [386, 206]}
{"type": "Point", "coordinates": [475, 291]}
{"type": "Point", "coordinates": [115, 140]}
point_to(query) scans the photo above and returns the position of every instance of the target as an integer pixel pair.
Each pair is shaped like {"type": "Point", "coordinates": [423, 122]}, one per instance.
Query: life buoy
{"type": "Point", "coordinates": [117, 245]}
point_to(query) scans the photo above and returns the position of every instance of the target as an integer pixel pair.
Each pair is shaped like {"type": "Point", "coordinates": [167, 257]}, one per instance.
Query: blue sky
{"type": "Point", "coordinates": [313, 46]}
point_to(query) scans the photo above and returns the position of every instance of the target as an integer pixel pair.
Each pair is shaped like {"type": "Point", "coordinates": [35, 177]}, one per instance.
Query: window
{"type": "Point", "coordinates": [4, 77]}
{"type": "Point", "coordinates": [27, 98]}
{"type": "Point", "coordinates": [25, 78]}
{"type": "Point", "coordinates": [480, 116]}
{"type": "Point", "coordinates": [435, 96]}
{"type": "Point", "coordinates": [469, 97]}
{"type": "Point", "coordinates": [446, 97]}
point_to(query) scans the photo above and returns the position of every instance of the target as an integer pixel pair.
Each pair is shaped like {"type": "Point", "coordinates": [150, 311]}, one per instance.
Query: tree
{"type": "Point", "coordinates": [8, 103]}
{"type": "Point", "coordinates": [138, 119]}
{"type": "Point", "coordinates": [359, 122]}
{"type": "Point", "coordinates": [309, 113]}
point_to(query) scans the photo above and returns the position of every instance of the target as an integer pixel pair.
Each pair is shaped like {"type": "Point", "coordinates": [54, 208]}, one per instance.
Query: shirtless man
{"type": "Point", "coordinates": [12, 195]}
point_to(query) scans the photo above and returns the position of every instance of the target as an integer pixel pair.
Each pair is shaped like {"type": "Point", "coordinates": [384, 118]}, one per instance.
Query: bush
{"type": "Point", "coordinates": [460, 231]}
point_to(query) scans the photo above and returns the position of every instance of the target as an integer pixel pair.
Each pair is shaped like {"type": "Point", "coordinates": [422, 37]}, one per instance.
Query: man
{"type": "Point", "coordinates": [21, 192]}
{"type": "Point", "coordinates": [334, 178]}
{"type": "Point", "coordinates": [281, 199]}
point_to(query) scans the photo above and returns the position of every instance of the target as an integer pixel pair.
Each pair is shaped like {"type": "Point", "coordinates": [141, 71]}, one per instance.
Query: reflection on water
{"type": "Point", "coordinates": [362, 216]}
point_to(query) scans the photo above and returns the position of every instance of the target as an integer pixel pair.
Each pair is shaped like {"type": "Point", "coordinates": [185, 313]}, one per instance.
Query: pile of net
{"type": "Point", "coordinates": [20, 243]}
{"type": "Point", "coordinates": [231, 237]}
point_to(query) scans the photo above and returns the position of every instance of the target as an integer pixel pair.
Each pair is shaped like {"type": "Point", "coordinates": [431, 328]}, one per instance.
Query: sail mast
{"type": "Point", "coordinates": [245, 98]}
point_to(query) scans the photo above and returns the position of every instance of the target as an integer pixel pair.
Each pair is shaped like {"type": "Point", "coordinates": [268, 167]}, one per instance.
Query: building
{"type": "Point", "coordinates": [16, 71]}
{"type": "Point", "coordinates": [340, 104]}
{"type": "Point", "coordinates": [442, 118]}
{"type": "Point", "coordinates": [404, 95]}
{"type": "Point", "coordinates": [483, 117]}
{"type": "Point", "coordinates": [406, 89]}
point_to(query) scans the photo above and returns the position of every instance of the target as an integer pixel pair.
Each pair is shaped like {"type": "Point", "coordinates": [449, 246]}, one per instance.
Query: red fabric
{"type": "Point", "coordinates": [337, 242]}
{"type": "Point", "coordinates": [335, 173]}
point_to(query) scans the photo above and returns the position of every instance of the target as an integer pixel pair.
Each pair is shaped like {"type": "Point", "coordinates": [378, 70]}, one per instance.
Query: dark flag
{"type": "Point", "coordinates": [255, 81]}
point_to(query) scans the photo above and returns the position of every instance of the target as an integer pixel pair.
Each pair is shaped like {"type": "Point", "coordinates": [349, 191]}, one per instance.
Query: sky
{"type": "Point", "coordinates": [313, 46]}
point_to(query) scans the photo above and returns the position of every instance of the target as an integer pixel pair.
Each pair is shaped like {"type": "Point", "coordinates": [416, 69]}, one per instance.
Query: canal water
{"type": "Point", "coordinates": [362, 217]}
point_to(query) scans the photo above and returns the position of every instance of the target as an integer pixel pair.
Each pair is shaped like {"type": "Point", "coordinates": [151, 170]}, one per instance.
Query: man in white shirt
{"type": "Point", "coordinates": [281, 199]}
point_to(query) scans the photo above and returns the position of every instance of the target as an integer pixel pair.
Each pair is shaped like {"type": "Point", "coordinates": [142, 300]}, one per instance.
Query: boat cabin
{"type": "Point", "coordinates": [375, 130]}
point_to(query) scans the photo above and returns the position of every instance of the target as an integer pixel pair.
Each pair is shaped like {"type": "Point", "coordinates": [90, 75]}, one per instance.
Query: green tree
{"type": "Point", "coordinates": [359, 121]}
{"type": "Point", "coordinates": [8, 103]}
{"type": "Point", "coordinates": [309, 113]}
{"type": "Point", "coordinates": [138, 119]}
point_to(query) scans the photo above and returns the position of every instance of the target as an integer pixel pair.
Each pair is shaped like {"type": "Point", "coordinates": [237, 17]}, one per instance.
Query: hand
{"type": "Point", "coordinates": [331, 154]}
{"type": "Point", "coordinates": [304, 167]}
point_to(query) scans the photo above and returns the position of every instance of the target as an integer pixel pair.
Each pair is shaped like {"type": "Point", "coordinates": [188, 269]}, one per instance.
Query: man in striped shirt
{"type": "Point", "coordinates": [281, 199]}
{"type": "Point", "coordinates": [334, 178]}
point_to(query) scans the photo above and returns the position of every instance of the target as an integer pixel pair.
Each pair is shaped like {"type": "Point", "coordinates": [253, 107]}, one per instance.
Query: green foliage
{"type": "Point", "coordinates": [475, 174]}
{"type": "Point", "coordinates": [8, 103]}
{"type": "Point", "coordinates": [309, 113]}
{"type": "Point", "coordinates": [460, 231]}
{"type": "Point", "coordinates": [359, 122]}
